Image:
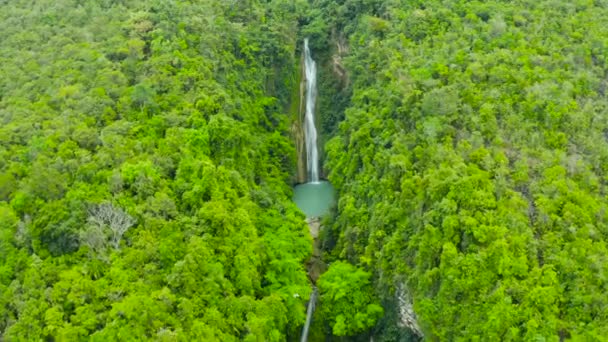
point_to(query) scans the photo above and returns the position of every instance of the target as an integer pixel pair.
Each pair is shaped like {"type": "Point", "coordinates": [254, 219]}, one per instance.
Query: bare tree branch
{"type": "Point", "coordinates": [116, 220]}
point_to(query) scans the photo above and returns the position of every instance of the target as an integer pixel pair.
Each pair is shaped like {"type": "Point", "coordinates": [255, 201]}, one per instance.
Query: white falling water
{"type": "Point", "coordinates": [309, 311]}
{"type": "Point", "coordinates": [310, 131]}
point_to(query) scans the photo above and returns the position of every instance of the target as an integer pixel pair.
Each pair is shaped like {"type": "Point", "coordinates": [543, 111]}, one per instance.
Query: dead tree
{"type": "Point", "coordinates": [106, 216]}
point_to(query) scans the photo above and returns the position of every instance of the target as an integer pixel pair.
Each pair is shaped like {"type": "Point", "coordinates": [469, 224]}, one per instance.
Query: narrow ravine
{"type": "Point", "coordinates": [315, 196]}
{"type": "Point", "coordinates": [314, 267]}
{"type": "Point", "coordinates": [309, 311]}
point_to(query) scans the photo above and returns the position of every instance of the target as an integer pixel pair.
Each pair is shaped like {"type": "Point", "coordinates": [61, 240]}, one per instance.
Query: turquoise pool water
{"type": "Point", "coordinates": [314, 199]}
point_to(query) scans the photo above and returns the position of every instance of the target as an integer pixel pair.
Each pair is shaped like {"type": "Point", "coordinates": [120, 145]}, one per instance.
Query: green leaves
{"type": "Point", "coordinates": [346, 299]}
{"type": "Point", "coordinates": [481, 188]}
{"type": "Point", "coordinates": [173, 114]}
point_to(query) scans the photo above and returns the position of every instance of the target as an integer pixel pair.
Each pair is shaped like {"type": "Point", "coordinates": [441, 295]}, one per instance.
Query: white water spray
{"type": "Point", "coordinates": [310, 131]}
{"type": "Point", "coordinates": [309, 311]}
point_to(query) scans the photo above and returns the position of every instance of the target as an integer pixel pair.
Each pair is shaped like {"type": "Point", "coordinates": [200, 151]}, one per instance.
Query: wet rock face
{"type": "Point", "coordinates": [315, 264]}
{"type": "Point", "coordinates": [298, 136]}
{"type": "Point", "coordinates": [314, 225]}
{"type": "Point", "coordinates": [407, 316]}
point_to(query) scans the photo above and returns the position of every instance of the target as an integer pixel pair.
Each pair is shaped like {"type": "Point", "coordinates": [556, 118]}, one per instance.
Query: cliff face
{"type": "Point", "coordinates": [297, 123]}
{"type": "Point", "coordinates": [301, 176]}
{"type": "Point", "coordinates": [333, 94]}
{"type": "Point", "coordinates": [340, 50]}
{"type": "Point", "coordinates": [334, 91]}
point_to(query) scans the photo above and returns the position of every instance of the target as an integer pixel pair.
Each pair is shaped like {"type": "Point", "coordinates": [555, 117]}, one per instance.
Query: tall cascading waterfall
{"type": "Point", "coordinates": [310, 131]}
{"type": "Point", "coordinates": [312, 154]}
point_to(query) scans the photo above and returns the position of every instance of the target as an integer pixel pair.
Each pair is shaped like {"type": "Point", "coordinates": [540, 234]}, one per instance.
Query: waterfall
{"type": "Point", "coordinates": [310, 131]}
{"type": "Point", "coordinates": [309, 311]}
{"type": "Point", "coordinates": [312, 154]}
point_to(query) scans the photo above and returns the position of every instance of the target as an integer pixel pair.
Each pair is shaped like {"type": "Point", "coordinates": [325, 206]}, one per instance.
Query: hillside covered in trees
{"type": "Point", "coordinates": [471, 164]}
{"type": "Point", "coordinates": [147, 159]}
{"type": "Point", "coordinates": [144, 172]}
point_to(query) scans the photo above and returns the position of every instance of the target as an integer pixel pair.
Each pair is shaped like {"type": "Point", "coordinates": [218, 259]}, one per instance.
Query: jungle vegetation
{"type": "Point", "coordinates": [146, 165]}
{"type": "Point", "coordinates": [471, 164]}
{"type": "Point", "coordinates": [145, 169]}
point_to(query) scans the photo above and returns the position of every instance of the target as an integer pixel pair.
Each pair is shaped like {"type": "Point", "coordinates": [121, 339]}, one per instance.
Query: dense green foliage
{"type": "Point", "coordinates": [144, 172]}
{"type": "Point", "coordinates": [146, 161]}
{"type": "Point", "coordinates": [347, 301]}
{"type": "Point", "coordinates": [471, 165]}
